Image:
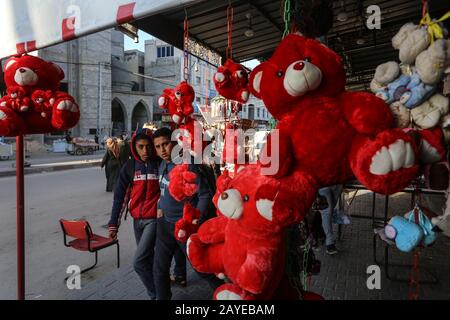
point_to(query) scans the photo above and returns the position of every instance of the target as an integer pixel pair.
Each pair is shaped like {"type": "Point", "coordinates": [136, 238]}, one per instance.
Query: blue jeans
{"type": "Point", "coordinates": [332, 193]}
{"type": "Point", "coordinates": [145, 234]}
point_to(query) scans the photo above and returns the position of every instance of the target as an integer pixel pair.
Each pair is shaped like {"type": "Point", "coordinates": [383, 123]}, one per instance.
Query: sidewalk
{"type": "Point", "coordinates": [51, 161]}
{"type": "Point", "coordinates": [342, 277]}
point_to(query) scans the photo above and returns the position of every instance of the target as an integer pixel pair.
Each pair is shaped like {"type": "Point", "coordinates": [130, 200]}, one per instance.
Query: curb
{"type": "Point", "coordinates": [31, 170]}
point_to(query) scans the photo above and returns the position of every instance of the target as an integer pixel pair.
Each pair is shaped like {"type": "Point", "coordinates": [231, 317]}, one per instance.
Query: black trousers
{"type": "Point", "coordinates": [164, 252]}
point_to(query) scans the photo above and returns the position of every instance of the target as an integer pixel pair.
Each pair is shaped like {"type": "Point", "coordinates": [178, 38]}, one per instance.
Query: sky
{"type": "Point", "coordinates": [130, 45]}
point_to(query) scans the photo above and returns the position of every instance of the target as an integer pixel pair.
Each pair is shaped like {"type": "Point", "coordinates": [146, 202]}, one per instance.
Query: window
{"type": "Point", "coordinates": [198, 100]}
{"type": "Point", "coordinates": [141, 70]}
{"type": "Point", "coordinates": [164, 51]}
{"type": "Point", "coordinates": [257, 112]}
{"type": "Point", "coordinates": [198, 80]}
{"type": "Point", "coordinates": [92, 131]}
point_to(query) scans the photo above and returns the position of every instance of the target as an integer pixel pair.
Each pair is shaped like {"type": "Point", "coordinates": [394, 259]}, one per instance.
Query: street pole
{"type": "Point", "coordinates": [99, 108]}
{"type": "Point", "coordinates": [20, 219]}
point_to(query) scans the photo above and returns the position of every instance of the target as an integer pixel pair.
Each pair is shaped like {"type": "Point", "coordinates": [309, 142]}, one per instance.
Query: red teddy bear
{"type": "Point", "coordinates": [231, 81]}
{"type": "Point", "coordinates": [33, 104]}
{"type": "Point", "coordinates": [246, 242]}
{"type": "Point", "coordinates": [178, 101]}
{"type": "Point", "coordinates": [332, 134]}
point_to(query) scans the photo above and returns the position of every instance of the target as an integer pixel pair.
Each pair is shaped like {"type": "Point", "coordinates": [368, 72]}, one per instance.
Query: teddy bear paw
{"type": "Point", "coordinates": [162, 101]}
{"type": "Point", "coordinates": [24, 108]}
{"type": "Point", "coordinates": [176, 118]}
{"type": "Point", "coordinates": [67, 105]}
{"type": "Point", "coordinates": [2, 115]}
{"type": "Point", "coordinates": [397, 155]}
{"type": "Point", "coordinates": [244, 95]}
{"type": "Point", "coordinates": [181, 234]}
{"type": "Point", "coordinates": [230, 291]}
{"type": "Point", "coordinates": [219, 77]}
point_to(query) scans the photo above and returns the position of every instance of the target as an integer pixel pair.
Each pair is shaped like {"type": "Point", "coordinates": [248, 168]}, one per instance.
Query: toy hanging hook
{"type": "Point", "coordinates": [230, 17]}
{"type": "Point", "coordinates": [185, 47]}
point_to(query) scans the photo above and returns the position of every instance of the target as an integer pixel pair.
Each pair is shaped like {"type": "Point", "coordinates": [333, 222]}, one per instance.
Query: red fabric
{"type": "Point", "coordinates": [125, 13]}
{"type": "Point", "coordinates": [97, 242]}
{"type": "Point", "coordinates": [235, 81]}
{"type": "Point", "coordinates": [182, 182]}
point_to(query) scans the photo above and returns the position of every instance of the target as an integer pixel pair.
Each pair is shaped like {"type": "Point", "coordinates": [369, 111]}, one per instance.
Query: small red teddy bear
{"type": "Point", "coordinates": [16, 99]}
{"type": "Point", "coordinates": [231, 81]}
{"type": "Point", "coordinates": [178, 101]}
{"type": "Point", "coordinates": [188, 224]}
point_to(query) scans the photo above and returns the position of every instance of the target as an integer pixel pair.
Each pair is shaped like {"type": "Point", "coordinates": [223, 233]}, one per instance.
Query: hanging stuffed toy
{"type": "Point", "coordinates": [33, 104]}
{"type": "Point", "coordinates": [178, 101]}
{"type": "Point", "coordinates": [246, 241]}
{"type": "Point", "coordinates": [231, 81]}
{"type": "Point", "coordinates": [332, 134]}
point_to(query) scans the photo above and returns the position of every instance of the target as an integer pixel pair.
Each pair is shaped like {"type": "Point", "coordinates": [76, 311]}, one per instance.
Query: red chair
{"type": "Point", "coordinates": [85, 240]}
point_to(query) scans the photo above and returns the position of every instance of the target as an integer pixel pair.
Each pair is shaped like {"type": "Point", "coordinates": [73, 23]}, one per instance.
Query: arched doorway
{"type": "Point", "coordinates": [139, 116]}
{"type": "Point", "coordinates": [118, 116]}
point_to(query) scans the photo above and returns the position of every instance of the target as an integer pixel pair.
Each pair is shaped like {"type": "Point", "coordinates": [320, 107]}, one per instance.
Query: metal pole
{"type": "Point", "coordinates": [20, 219]}
{"type": "Point", "coordinates": [99, 108]}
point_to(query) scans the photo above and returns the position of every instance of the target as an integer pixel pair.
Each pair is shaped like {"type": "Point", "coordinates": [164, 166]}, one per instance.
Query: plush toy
{"type": "Point", "coordinates": [22, 111]}
{"type": "Point", "coordinates": [183, 185]}
{"type": "Point", "coordinates": [429, 114]}
{"type": "Point", "coordinates": [231, 81]}
{"type": "Point", "coordinates": [178, 101]}
{"type": "Point", "coordinates": [188, 224]}
{"type": "Point", "coordinates": [16, 99]}
{"type": "Point", "coordinates": [432, 62]}
{"type": "Point", "coordinates": [409, 90]}
{"type": "Point", "coordinates": [445, 125]}
{"type": "Point", "coordinates": [407, 234]}
{"type": "Point", "coordinates": [411, 40]}
{"type": "Point", "coordinates": [385, 73]}
{"type": "Point", "coordinates": [332, 134]}
{"type": "Point", "coordinates": [245, 242]}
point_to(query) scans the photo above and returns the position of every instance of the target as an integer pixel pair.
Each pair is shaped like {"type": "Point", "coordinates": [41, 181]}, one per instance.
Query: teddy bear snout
{"type": "Point", "coordinates": [230, 204]}
{"type": "Point", "coordinates": [301, 77]}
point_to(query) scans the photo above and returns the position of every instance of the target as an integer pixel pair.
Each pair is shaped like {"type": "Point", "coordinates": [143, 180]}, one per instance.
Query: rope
{"type": "Point", "coordinates": [287, 17]}
{"type": "Point", "coordinates": [414, 280]}
{"type": "Point", "coordinates": [434, 29]}
{"type": "Point", "coordinates": [230, 17]}
{"type": "Point", "coordinates": [185, 47]}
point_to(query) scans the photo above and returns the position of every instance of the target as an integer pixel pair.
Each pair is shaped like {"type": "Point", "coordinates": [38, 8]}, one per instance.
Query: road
{"type": "Point", "coordinates": [71, 194]}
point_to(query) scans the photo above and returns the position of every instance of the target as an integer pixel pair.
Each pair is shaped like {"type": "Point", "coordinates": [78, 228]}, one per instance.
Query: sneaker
{"type": "Point", "coordinates": [331, 249]}
{"type": "Point", "coordinates": [178, 280]}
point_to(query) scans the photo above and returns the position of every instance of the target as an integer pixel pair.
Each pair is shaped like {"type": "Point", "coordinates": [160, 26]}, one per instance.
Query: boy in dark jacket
{"type": "Point", "coordinates": [170, 211]}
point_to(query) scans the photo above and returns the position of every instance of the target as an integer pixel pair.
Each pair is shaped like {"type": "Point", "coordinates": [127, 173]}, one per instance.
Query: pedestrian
{"type": "Point", "coordinates": [112, 162]}
{"type": "Point", "coordinates": [331, 215]}
{"type": "Point", "coordinates": [171, 210]}
{"type": "Point", "coordinates": [138, 182]}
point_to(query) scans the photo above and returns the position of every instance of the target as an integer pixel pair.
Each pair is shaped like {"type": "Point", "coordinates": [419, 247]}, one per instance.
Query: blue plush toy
{"type": "Point", "coordinates": [394, 90]}
{"type": "Point", "coordinates": [429, 236]}
{"type": "Point", "coordinates": [416, 92]}
{"type": "Point", "coordinates": [407, 234]}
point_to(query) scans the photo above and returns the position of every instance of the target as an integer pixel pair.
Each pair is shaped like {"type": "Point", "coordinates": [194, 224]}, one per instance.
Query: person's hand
{"type": "Point", "coordinates": [113, 234]}
{"type": "Point", "coordinates": [159, 213]}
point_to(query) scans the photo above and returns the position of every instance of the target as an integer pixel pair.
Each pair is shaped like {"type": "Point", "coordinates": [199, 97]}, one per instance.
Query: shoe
{"type": "Point", "coordinates": [331, 249]}
{"type": "Point", "coordinates": [178, 280]}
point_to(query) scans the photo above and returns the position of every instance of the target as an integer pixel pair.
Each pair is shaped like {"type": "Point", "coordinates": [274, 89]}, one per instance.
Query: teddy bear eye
{"type": "Point", "coordinates": [280, 73]}
{"type": "Point", "coordinates": [246, 198]}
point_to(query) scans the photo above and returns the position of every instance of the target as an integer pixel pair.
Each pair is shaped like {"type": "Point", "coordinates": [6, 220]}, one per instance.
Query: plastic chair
{"type": "Point", "coordinates": [85, 240]}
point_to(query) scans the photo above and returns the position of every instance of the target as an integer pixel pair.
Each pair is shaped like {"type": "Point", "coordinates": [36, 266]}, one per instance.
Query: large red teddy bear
{"type": "Point", "coordinates": [178, 101]}
{"type": "Point", "coordinates": [33, 103]}
{"type": "Point", "coordinates": [330, 133]}
{"type": "Point", "coordinates": [231, 81]}
{"type": "Point", "coordinates": [246, 242]}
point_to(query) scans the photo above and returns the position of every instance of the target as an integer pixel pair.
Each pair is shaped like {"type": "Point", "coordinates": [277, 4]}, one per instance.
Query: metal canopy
{"type": "Point", "coordinates": [208, 26]}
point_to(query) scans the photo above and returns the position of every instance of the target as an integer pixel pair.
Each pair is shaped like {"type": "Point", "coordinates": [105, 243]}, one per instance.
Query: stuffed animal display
{"type": "Point", "coordinates": [178, 101]}
{"type": "Point", "coordinates": [332, 134]}
{"type": "Point", "coordinates": [246, 241]}
{"type": "Point", "coordinates": [231, 81]}
{"type": "Point", "coordinates": [33, 103]}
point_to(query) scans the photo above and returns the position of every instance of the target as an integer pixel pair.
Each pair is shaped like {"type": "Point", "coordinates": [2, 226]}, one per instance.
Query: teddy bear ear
{"type": "Point", "coordinates": [223, 181]}
{"type": "Point", "coordinates": [10, 63]}
{"type": "Point", "coordinates": [58, 70]}
{"type": "Point", "coordinates": [254, 84]}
